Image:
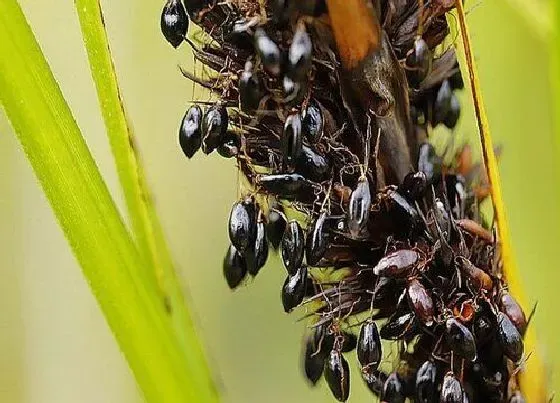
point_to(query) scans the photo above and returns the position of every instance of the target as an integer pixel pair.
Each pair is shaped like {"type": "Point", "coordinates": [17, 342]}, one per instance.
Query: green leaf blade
{"type": "Point", "coordinates": [81, 202]}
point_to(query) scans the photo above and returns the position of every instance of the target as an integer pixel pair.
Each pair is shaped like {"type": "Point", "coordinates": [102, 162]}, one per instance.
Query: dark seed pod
{"type": "Point", "coordinates": [293, 290]}
{"type": "Point", "coordinates": [268, 52]}
{"type": "Point", "coordinates": [460, 339]}
{"type": "Point", "coordinates": [316, 242]}
{"type": "Point", "coordinates": [174, 22]}
{"type": "Point", "coordinates": [275, 227]}
{"type": "Point", "coordinates": [349, 342]}
{"type": "Point", "coordinates": [513, 311]}
{"type": "Point", "coordinates": [337, 375]}
{"type": "Point", "coordinates": [312, 165]}
{"type": "Point", "coordinates": [359, 207]}
{"type": "Point", "coordinates": [250, 91]}
{"type": "Point", "coordinates": [405, 213]}
{"type": "Point", "coordinates": [292, 247]}
{"type": "Point", "coordinates": [190, 134]}
{"type": "Point", "coordinates": [256, 256]}
{"type": "Point", "coordinates": [414, 186]}
{"type": "Point", "coordinates": [285, 185]}
{"type": "Point", "coordinates": [429, 162]}
{"type": "Point", "coordinates": [300, 54]}
{"type": "Point", "coordinates": [397, 264]}
{"type": "Point", "coordinates": [454, 113]}
{"type": "Point", "coordinates": [230, 146]}
{"type": "Point", "coordinates": [214, 128]}
{"type": "Point", "coordinates": [451, 390]}
{"type": "Point", "coordinates": [374, 379]}
{"type": "Point", "coordinates": [397, 326]}
{"type": "Point", "coordinates": [426, 387]}
{"type": "Point", "coordinates": [420, 301]}
{"type": "Point", "coordinates": [234, 267]}
{"type": "Point", "coordinates": [313, 122]}
{"type": "Point", "coordinates": [393, 389]}
{"type": "Point", "coordinates": [442, 104]}
{"type": "Point", "coordinates": [313, 360]}
{"type": "Point", "coordinates": [456, 80]}
{"type": "Point", "coordinates": [292, 139]}
{"type": "Point", "coordinates": [294, 91]}
{"type": "Point", "coordinates": [369, 345]}
{"type": "Point", "coordinates": [419, 61]}
{"type": "Point", "coordinates": [243, 225]}
{"type": "Point", "coordinates": [510, 338]}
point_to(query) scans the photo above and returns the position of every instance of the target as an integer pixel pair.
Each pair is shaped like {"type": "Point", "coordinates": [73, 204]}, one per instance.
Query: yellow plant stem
{"type": "Point", "coordinates": [532, 376]}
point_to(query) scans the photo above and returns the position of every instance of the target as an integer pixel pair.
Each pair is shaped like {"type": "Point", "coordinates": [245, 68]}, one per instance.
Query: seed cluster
{"type": "Point", "coordinates": [389, 231]}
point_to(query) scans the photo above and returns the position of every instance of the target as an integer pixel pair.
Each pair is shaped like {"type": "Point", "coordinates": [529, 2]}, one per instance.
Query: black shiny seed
{"type": "Point", "coordinates": [442, 103]}
{"type": "Point", "coordinates": [190, 134]}
{"type": "Point", "coordinates": [275, 227]}
{"type": "Point", "coordinates": [414, 186]}
{"type": "Point", "coordinates": [250, 91]}
{"type": "Point", "coordinates": [312, 165]}
{"type": "Point", "coordinates": [426, 387]}
{"type": "Point", "coordinates": [460, 339]}
{"type": "Point", "coordinates": [256, 257]}
{"type": "Point", "coordinates": [313, 360]}
{"type": "Point", "coordinates": [374, 379]}
{"type": "Point", "coordinates": [286, 185]}
{"type": "Point", "coordinates": [230, 145]}
{"type": "Point", "coordinates": [451, 390]}
{"type": "Point", "coordinates": [292, 247]}
{"type": "Point", "coordinates": [268, 52]}
{"type": "Point", "coordinates": [312, 123]}
{"type": "Point", "coordinates": [214, 128]}
{"type": "Point", "coordinates": [292, 139]}
{"type": "Point", "coordinates": [174, 22]}
{"type": "Point", "coordinates": [300, 54]}
{"type": "Point", "coordinates": [294, 91]}
{"type": "Point", "coordinates": [337, 375]}
{"type": "Point", "coordinates": [510, 338]}
{"type": "Point", "coordinates": [234, 267]}
{"type": "Point", "coordinates": [456, 80]}
{"type": "Point", "coordinates": [429, 162]}
{"type": "Point", "coordinates": [293, 290]}
{"type": "Point", "coordinates": [359, 207]}
{"type": "Point", "coordinates": [243, 225]}
{"type": "Point", "coordinates": [419, 61]}
{"type": "Point", "coordinates": [369, 345]}
{"type": "Point", "coordinates": [393, 389]}
{"type": "Point", "coordinates": [316, 242]}
{"type": "Point", "coordinates": [397, 326]}
{"type": "Point", "coordinates": [453, 114]}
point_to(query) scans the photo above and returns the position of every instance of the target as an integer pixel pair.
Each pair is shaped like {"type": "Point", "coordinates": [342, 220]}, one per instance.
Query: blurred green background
{"type": "Point", "coordinates": [54, 343]}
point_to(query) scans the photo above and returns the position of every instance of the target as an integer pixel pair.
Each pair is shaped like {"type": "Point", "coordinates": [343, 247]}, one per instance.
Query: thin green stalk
{"type": "Point", "coordinates": [145, 223]}
{"type": "Point", "coordinates": [87, 214]}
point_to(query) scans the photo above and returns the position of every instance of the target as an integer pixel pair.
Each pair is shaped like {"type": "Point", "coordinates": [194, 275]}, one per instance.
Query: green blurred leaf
{"type": "Point", "coordinates": [87, 214]}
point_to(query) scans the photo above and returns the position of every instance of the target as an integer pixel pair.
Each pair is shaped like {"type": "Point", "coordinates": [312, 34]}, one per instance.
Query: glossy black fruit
{"type": "Point", "coordinates": [230, 145]}
{"type": "Point", "coordinates": [250, 90]}
{"type": "Point", "coordinates": [190, 133]}
{"type": "Point", "coordinates": [369, 345]}
{"type": "Point", "coordinates": [313, 123]}
{"type": "Point", "coordinates": [337, 375]}
{"type": "Point", "coordinates": [292, 139]}
{"type": "Point", "coordinates": [453, 114]}
{"type": "Point", "coordinates": [293, 290]}
{"type": "Point", "coordinates": [243, 224]}
{"type": "Point", "coordinates": [359, 207]}
{"type": "Point", "coordinates": [460, 339]}
{"type": "Point", "coordinates": [256, 257]}
{"type": "Point", "coordinates": [312, 165]}
{"type": "Point", "coordinates": [510, 338]}
{"type": "Point", "coordinates": [268, 52]}
{"type": "Point", "coordinates": [300, 54]}
{"type": "Point", "coordinates": [429, 162]}
{"type": "Point", "coordinates": [442, 103]}
{"type": "Point", "coordinates": [316, 242]}
{"type": "Point", "coordinates": [275, 227]}
{"type": "Point", "coordinates": [414, 186]}
{"type": "Point", "coordinates": [451, 390]}
{"type": "Point", "coordinates": [292, 247]}
{"type": "Point", "coordinates": [174, 22]}
{"type": "Point", "coordinates": [419, 61]}
{"type": "Point", "coordinates": [214, 128]}
{"type": "Point", "coordinates": [426, 387]}
{"type": "Point", "coordinates": [393, 389]}
{"type": "Point", "coordinates": [286, 185]}
{"type": "Point", "coordinates": [234, 267]}
{"type": "Point", "coordinates": [313, 360]}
